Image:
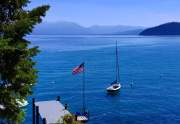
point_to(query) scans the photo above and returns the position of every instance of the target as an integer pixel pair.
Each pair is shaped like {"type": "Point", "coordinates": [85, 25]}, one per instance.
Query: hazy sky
{"type": "Point", "coordinates": [112, 12]}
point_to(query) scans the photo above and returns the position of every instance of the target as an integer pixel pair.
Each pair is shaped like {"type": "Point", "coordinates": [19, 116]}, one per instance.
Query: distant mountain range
{"type": "Point", "coordinates": [171, 28]}
{"type": "Point", "coordinates": [70, 28]}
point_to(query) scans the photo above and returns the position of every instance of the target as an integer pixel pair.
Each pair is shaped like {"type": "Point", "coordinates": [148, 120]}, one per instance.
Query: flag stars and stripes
{"type": "Point", "coordinates": [78, 69]}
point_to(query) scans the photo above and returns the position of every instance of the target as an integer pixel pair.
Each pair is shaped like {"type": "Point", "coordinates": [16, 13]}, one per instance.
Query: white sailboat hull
{"type": "Point", "coordinates": [114, 87]}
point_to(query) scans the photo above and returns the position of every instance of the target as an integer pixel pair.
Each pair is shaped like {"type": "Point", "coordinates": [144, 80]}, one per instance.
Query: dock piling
{"type": "Point", "coordinates": [33, 110]}
{"type": "Point", "coordinates": [76, 117]}
{"type": "Point", "coordinates": [44, 121]}
{"type": "Point", "coordinates": [58, 98]}
{"type": "Point", "coordinates": [37, 114]}
{"type": "Point", "coordinates": [66, 106]}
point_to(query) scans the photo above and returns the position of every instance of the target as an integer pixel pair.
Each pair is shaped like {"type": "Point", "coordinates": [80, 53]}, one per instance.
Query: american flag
{"type": "Point", "coordinates": [78, 69]}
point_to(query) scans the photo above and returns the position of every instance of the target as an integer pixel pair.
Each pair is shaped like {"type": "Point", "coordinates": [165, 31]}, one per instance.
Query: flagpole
{"type": "Point", "coordinates": [117, 64]}
{"type": "Point", "coordinates": [83, 90]}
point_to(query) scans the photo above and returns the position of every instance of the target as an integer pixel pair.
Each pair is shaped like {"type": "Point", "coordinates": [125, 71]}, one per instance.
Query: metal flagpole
{"type": "Point", "coordinates": [83, 89]}
{"type": "Point", "coordinates": [117, 64]}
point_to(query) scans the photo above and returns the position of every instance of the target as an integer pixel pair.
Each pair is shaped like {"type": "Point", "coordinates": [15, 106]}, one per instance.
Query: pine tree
{"type": "Point", "coordinates": [17, 72]}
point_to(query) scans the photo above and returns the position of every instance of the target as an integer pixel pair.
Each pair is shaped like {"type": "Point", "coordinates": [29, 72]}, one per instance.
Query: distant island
{"type": "Point", "coordinates": [71, 28]}
{"type": "Point", "coordinates": [171, 28]}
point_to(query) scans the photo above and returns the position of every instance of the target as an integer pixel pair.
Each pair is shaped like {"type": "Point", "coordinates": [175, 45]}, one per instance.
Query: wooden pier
{"type": "Point", "coordinates": [50, 112]}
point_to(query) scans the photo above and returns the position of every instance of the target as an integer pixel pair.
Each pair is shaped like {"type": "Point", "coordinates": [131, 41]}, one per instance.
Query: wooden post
{"type": "Point", "coordinates": [58, 98]}
{"type": "Point", "coordinates": [37, 114]}
{"type": "Point", "coordinates": [44, 121]}
{"type": "Point", "coordinates": [66, 106]}
{"type": "Point", "coordinates": [75, 117]}
{"type": "Point", "coordinates": [33, 110]}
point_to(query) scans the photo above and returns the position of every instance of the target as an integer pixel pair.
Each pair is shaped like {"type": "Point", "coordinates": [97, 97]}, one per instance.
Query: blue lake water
{"type": "Point", "coordinates": [152, 63]}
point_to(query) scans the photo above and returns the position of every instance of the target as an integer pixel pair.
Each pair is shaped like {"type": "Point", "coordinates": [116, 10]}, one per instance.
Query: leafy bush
{"type": "Point", "coordinates": [68, 119]}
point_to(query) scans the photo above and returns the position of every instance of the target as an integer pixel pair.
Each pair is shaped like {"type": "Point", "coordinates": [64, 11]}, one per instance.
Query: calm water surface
{"type": "Point", "coordinates": [151, 63]}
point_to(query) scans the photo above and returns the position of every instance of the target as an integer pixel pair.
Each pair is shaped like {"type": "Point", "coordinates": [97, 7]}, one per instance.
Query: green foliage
{"type": "Point", "coordinates": [68, 119]}
{"type": "Point", "coordinates": [17, 72]}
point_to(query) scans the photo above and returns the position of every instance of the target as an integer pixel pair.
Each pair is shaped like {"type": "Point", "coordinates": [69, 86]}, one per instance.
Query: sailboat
{"type": "Point", "coordinates": [82, 116]}
{"type": "Point", "coordinates": [115, 85]}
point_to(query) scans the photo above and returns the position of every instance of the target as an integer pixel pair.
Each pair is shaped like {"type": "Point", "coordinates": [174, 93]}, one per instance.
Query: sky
{"type": "Point", "coordinates": [111, 12]}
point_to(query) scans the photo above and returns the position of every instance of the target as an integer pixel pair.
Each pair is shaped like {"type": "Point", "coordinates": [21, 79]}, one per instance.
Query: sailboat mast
{"type": "Point", "coordinates": [117, 65]}
{"type": "Point", "coordinates": [83, 90]}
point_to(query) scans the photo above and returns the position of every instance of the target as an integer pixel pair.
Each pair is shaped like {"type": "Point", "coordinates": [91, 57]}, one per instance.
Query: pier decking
{"type": "Point", "coordinates": [50, 111]}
